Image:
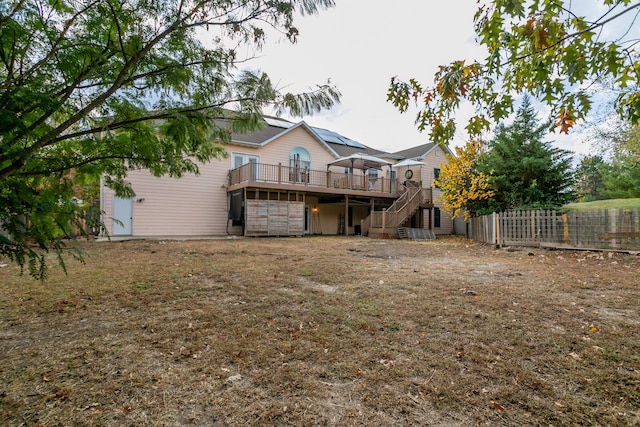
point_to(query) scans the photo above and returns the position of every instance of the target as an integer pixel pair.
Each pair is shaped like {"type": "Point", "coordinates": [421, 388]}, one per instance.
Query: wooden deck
{"type": "Point", "coordinates": [286, 178]}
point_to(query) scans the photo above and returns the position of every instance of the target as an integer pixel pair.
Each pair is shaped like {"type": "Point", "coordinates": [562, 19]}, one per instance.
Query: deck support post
{"type": "Point", "coordinates": [346, 215]}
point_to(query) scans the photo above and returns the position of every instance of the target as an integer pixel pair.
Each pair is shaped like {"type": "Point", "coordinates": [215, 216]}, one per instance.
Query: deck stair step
{"type": "Point", "coordinates": [402, 233]}
{"type": "Point", "coordinates": [416, 233]}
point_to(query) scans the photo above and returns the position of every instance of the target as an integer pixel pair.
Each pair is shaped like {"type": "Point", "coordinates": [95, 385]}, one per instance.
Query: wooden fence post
{"type": "Point", "coordinates": [614, 227]}
{"type": "Point", "coordinates": [565, 229]}
{"type": "Point", "coordinates": [497, 228]}
{"type": "Point", "coordinates": [604, 229]}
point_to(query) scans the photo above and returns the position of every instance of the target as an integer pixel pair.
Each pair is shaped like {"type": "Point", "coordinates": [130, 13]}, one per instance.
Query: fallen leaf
{"type": "Point", "coordinates": [498, 406]}
{"type": "Point", "coordinates": [234, 378]}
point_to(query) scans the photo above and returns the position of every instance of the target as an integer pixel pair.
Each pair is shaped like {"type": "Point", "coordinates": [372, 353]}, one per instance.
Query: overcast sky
{"type": "Point", "coordinates": [360, 46]}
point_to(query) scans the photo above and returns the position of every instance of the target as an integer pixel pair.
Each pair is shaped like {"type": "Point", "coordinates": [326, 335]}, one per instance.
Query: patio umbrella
{"type": "Point", "coordinates": [407, 162]}
{"type": "Point", "coordinates": [360, 161]}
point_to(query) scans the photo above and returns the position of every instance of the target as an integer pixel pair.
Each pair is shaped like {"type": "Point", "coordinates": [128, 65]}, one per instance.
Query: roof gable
{"type": "Point", "coordinates": [421, 151]}
{"type": "Point", "coordinates": [336, 144]}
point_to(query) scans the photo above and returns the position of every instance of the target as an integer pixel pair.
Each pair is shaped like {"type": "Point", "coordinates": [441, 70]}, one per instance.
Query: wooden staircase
{"type": "Point", "coordinates": [401, 210]}
{"type": "Point", "coordinates": [416, 233]}
{"type": "Point", "coordinates": [404, 207]}
{"type": "Point", "coordinates": [403, 233]}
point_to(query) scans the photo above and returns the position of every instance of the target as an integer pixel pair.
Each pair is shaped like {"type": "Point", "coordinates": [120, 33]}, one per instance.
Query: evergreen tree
{"type": "Point", "coordinates": [528, 172]}
{"type": "Point", "coordinates": [621, 178]}
{"type": "Point", "coordinates": [589, 178]}
{"type": "Point", "coordinates": [616, 175]}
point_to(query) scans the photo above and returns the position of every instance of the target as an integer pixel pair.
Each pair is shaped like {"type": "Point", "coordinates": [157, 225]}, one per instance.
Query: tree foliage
{"type": "Point", "coordinates": [589, 179]}
{"type": "Point", "coordinates": [92, 88]}
{"type": "Point", "coordinates": [618, 177]}
{"type": "Point", "coordinates": [528, 172]}
{"type": "Point", "coordinates": [464, 187]}
{"type": "Point", "coordinates": [553, 50]}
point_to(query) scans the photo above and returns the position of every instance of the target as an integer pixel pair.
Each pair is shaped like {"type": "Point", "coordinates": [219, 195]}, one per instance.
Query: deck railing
{"type": "Point", "coordinates": [255, 173]}
{"type": "Point", "coordinates": [405, 206]}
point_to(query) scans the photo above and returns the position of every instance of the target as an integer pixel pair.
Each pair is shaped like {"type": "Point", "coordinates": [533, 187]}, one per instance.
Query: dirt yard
{"type": "Point", "coordinates": [322, 331]}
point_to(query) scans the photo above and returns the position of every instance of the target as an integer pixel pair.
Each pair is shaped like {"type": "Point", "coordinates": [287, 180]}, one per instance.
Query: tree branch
{"type": "Point", "coordinates": [77, 164]}
{"type": "Point", "coordinates": [54, 44]}
{"type": "Point", "coordinates": [117, 22]}
{"type": "Point", "coordinates": [151, 117]}
{"type": "Point", "coordinates": [100, 99]}
{"type": "Point", "coordinates": [578, 33]}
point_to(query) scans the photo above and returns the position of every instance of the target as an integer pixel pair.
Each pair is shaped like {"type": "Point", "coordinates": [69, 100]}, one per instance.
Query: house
{"type": "Point", "coordinates": [286, 179]}
{"type": "Point", "coordinates": [432, 156]}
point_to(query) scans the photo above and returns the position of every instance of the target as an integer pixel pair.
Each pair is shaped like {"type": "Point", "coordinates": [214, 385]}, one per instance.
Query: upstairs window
{"type": "Point", "coordinates": [240, 159]}
{"type": "Point", "coordinates": [436, 174]}
{"type": "Point", "coordinates": [299, 158]}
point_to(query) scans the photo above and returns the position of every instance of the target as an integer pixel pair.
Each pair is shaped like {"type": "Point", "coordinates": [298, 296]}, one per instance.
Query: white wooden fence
{"type": "Point", "coordinates": [613, 229]}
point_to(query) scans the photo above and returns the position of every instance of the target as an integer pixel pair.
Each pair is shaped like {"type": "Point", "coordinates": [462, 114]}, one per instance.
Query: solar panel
{"type": "Point", "coordinates": [272, 121]}
{"type": "Point", "coordinates": [336, 138]}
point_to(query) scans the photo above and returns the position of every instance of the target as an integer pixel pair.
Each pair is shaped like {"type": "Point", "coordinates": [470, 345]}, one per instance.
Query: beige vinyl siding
{"type": "Point", "coordinates": [198, 205]}
{"type": "Point", "coordinates": [432, 161]}
{"type": "Point", "coordinates": [278, 151]}
{"type": "Point", "coordinates": [189, 206]}
{"type": "Point", "coordinates": [446, 222]}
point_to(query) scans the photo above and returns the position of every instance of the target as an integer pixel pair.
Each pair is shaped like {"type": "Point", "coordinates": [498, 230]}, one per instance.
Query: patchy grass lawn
{"type": "Point", "coordinates": [322, 331]}
{"type": "Point", "coordinates": [604, 204]}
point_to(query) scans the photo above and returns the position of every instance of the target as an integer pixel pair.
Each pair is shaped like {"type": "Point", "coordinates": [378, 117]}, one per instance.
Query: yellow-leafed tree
{"type": "Point", "coordinates": [463, 186]}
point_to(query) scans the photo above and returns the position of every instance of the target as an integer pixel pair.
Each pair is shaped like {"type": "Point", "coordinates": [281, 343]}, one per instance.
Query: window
{"type": "Point", "coordinates": [373, 178]}
{"type": "Point", "coordinates": [299, 158]}
{"type": "Point", "coordinates": [393, 177]}
{"type": "Point", "coordinates": [436, 217]}
{"type": "Point", "coordinates": [299, 164]}
{"type": "Point", "coordinates": [436, 174]}
{"type": "Point", "coordinates": [239, 159]}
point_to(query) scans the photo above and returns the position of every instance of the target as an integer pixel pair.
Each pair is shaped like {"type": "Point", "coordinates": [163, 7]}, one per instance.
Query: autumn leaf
{"type": "Point", "coordinates": [529, 26]}
{"type": "Point", "coordinates": [427, 99]}
{"type": "Point", "coordinates": [461, 182]}
{"type": "Point", "coordinates": [545, 48]}
{"type": "Point", "coordinates": [564, 121]}
{"type": "Point", "coordinates": [498, 406]}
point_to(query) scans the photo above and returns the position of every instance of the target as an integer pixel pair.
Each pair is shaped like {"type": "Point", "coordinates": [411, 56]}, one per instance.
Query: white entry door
{"type": "Point", "coordinates": [123, 216]}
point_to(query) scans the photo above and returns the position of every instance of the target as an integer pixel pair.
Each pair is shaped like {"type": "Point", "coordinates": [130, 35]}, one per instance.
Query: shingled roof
{"type": "Point", "coordinates": [340, 144]}
{"type": "Point", "coordinates": [416, 152]}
